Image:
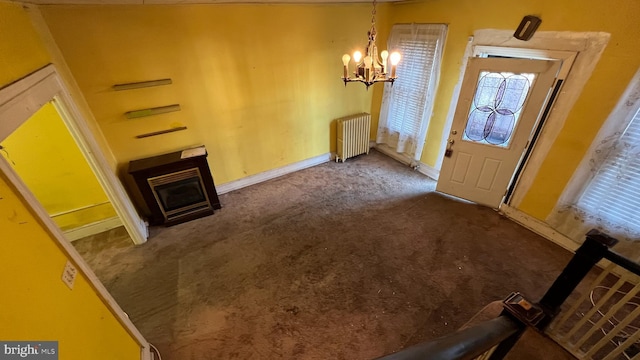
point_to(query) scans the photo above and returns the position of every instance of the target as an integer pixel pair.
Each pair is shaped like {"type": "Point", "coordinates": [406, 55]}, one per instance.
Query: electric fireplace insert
{"type": "Point", "coordinates": [176, 187]}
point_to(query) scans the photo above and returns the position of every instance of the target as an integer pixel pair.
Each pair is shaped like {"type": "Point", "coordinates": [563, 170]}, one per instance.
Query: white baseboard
{"type": "Point", "coordinates": [539, 227]}
{"type": "Point", "coordinates": [272, 174]}
{"type": "Point", "coordinates": [393, 154]}
{"type": "Point", "coordinates": [429, 171]}
{"type": "Point", "coordinates": [93, 228]}
{"type": "Point", "coordinates": [422, 168]}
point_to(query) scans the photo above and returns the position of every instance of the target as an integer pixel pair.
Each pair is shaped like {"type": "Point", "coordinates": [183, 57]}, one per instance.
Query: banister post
{"type": "Point", "coordinates": [594, 248]}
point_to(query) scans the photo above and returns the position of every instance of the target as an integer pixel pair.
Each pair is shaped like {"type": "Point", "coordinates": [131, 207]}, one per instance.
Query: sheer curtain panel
{"type": "Point", "coordinates": [605, 192]}
{"type": "Point", "coordinates": [408, 103]}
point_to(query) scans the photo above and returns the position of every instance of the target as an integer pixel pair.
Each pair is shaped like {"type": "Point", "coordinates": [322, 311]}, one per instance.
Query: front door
{"type": "Point", "coordinates": [500, 103]}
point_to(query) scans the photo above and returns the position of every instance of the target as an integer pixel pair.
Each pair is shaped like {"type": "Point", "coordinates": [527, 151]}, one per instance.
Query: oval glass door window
{"type": "Point", "coordinates": [497, 103]}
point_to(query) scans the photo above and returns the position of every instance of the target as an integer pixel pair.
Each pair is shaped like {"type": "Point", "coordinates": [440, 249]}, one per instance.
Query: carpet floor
{"type": "Point", "coordinates": [340, 261]}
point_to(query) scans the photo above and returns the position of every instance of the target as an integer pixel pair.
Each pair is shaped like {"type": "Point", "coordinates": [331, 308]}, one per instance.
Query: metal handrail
{"type": "Point", "coordinates": [464, 344]}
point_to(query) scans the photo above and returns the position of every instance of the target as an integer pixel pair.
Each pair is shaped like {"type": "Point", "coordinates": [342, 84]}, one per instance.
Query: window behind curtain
{"type": "Point", "coordinates": [604, 193]}
{"type": "Point", "coordinates": [613, 195]}
{"type": "Point", "coordinates": [406, 106]}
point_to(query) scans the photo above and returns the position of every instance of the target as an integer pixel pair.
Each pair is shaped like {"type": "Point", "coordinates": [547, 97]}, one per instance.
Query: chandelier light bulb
{"type": "Point", "coordinates": [345, 62]}
{"type": "Point", "coordinates": [384, 55]}
{"type": "Point", "coordinates": [357, 56]}
{"type": "Point", "coordinates": [395, 58]}
{"type": "Point", "coordinates": [345, 59]}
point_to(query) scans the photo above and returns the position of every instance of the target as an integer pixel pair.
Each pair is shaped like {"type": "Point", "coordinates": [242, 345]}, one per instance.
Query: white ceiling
{"type": "Point", "coordinates": [151, 2]}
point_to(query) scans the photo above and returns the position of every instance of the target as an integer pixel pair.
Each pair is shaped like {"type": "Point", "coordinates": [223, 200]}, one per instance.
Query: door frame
{"type": "Point", "coordinates": [589, 47]}
{"type": "Point", "coordinates": [18, 102]}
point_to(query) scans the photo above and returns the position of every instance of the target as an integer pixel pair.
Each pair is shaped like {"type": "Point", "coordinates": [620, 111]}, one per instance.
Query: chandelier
{"type": "Point", "coordinates": [370, 69]}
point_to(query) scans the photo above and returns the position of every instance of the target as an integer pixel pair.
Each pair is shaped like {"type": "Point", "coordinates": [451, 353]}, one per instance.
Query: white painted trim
{"type": "Point", "coordinates": [19, 101]}
{"type": "Point", "coordinates": [430, 171]}
{"type": "Point", "coordinates": [394, 154]}
{"type": "Point", "coordinates": [455, 96]}
{"type": "Point", "coordinates": [272, 174]}
{"type": "Point", "coordinates": [567, 57]}
{"type": "Point", "coordinates": [539, 227]}
{"type": "Point", "coordinates": [93, 228]}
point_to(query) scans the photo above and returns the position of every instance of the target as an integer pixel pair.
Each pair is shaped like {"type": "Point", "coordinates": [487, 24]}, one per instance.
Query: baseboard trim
{"type": "Point", "coordinates": [539, 227]}
{"type": "Point", "coordinates": [93, 228]}
{"type": "Point", "coordinates": [430, 171]}
{"type": "Point", "coordinates": [272, 174]}
{"type": "Point", "coordinates": [393, 154]}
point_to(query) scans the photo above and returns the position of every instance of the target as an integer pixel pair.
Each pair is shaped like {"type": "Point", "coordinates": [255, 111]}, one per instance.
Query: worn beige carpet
{"type": "Point", "coordinates": [339, 261]}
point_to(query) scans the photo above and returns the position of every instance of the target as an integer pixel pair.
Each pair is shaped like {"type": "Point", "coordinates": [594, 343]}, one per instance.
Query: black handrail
{"type": "Point", "coordinates": [464, 344]}
{"type": "Point", "coordinates": [622, 261]}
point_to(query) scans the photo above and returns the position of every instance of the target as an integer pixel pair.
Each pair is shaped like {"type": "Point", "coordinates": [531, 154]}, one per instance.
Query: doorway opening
{"type": "Point", "coordinates": [45, 156]}
{"type": "Point", "coordinates": [20, 101]}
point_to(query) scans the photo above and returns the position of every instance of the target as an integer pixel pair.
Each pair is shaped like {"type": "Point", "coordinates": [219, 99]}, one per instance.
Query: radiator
{"type": "Point", "coordinates": [353, 136]}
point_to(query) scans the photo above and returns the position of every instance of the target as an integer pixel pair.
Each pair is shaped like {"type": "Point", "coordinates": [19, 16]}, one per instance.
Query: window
{"type": "Point", "coordinates": [407, 104]}
{"type": "Point", "coordinates": [604, 193]}
{"type": "Point", "coordinates": [613, 195]}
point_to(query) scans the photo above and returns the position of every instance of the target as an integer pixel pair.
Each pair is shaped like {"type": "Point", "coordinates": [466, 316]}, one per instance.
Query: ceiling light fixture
{"type": "Point", "coordinates": [370, 69]}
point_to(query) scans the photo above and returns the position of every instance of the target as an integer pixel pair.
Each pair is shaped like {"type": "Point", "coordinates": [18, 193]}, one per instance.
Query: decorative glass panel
{"type": "Point", "coordinates": [496, 107]}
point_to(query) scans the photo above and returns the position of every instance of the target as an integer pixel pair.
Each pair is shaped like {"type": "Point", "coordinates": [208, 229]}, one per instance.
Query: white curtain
{"type": "Point", "coordinates": [605, 191]}
{"type": "Point", "coordinates": [408, 103]}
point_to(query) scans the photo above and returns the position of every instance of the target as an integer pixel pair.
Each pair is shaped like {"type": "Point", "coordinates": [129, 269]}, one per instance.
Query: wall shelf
{"type": "Point", "coordinates": [155, 133]}
{"type": "Point", "coordinates": [134, 114]}
{"type": "Point", "coordinates": [141, 84]}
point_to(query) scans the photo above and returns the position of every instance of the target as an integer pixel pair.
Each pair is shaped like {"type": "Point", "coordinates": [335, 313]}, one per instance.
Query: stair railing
{"type": "Point", "coordinates": [604, 328]}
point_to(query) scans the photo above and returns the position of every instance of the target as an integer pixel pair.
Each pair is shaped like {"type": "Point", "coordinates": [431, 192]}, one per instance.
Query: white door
{"type": "Point", "coordinates": [500, 103]}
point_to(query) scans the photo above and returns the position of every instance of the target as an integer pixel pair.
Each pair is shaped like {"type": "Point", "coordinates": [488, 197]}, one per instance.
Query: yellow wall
{"type": "Point", "coordinates": [616, 67]}
{"type": "Point", "coordinates": [21, 51]}
{"type": "Point", "coordinates": [259, 85]}
{"type": "Point", "coordinates": [48, 160]}
{"type": "Point", "coordinates": [35, 304]}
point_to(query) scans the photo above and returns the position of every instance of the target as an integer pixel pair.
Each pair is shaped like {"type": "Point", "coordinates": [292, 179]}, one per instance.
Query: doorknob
{"type": "Point", "coordinates": [453, 132]}
{"type": "Point", "coordinates": [448, 151]}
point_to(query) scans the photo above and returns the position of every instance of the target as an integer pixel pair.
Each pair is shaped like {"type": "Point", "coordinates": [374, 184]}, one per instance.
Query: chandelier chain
{"type": "Point", "coordinates": [373, 13]}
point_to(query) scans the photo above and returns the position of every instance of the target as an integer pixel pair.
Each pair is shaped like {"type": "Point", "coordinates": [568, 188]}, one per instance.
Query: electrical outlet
{"type": "Point", "coordinates": [69, 274]}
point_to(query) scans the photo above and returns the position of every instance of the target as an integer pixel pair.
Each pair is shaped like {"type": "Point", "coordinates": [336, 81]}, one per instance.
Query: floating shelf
{"type": "Point", "coordinates": [141, 84]}
{"type": "Point", "coordinates": [155, 133]}
{"type": "Point", "coordinates": [152, 111]}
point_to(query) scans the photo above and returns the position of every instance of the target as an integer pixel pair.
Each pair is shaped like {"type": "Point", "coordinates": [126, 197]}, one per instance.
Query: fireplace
{"type": "Point", "coordinates": [176, 187]}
